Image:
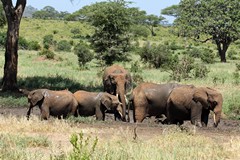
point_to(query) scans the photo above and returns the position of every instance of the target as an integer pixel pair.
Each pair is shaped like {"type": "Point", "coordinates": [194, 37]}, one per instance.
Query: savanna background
{"type": "Point", "coordinates": [50, 57]}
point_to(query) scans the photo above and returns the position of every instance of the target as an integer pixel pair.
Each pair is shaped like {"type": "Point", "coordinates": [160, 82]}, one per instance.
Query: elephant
{"type": "Point", "coordinates": [194, 103]}
{"type": "Point", "coordinates": [150, 99]}
{"type": "Point", "coordinates": [118, 81]}
{"type": "Point", "coordinates": [97, 103]}
{"type": "Point", "coordinates": [54, 103]}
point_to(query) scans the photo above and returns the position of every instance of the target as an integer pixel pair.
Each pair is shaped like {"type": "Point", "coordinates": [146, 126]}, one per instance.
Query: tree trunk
{"type": "Point", "coordinates": [222, 49]}
{"type": "Point", "coordinates": [13, 15]}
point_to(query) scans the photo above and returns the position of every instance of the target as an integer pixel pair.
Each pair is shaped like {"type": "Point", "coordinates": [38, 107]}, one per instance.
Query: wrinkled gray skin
{"type": "Point", "coordinates": [194, 103]}
{"type": "Point", "coordinates": [150, 99]}
{"type": "Point", "coordinates": [54, 103]}
{"type": "Point", "coordinates": [93, 103]}
{"type": "Point", "coordinates": [118, 81]}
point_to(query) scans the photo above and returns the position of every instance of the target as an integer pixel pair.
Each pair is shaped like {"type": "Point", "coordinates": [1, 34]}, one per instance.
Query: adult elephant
{"type": "Point", "coordinates": [54, 103]}
{"type": "Point", "coordinates": [94, 103]}
{"type": "Point", "coordinates": [194, 103]}
{"type": "Point", "coordinates": [118, 81]}
{"type": "Point", "coordinates": [150, 99]}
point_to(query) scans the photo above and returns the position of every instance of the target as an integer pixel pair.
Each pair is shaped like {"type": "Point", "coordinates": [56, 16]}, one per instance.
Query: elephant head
{"type": "Point", "coordinates": [112, 103]}
{"type": "Point", "coordinates": [120, 84]}
{"type": "Point", "coordinates": [34, 98]}
{"type": "Point", "coordinates": [210, 100]}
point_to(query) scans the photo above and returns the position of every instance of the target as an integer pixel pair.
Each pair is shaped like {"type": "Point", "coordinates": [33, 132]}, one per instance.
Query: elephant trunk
{"type": "Point", "coordinates": [216, 116]}
{"type": "Point", "coordinates": [121, 94]}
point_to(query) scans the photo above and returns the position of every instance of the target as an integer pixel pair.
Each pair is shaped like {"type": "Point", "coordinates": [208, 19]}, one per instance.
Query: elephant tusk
{"type": "Point", "coordinates": [126, 99]}
{"type": "Point", "coordinates": [214, 119]}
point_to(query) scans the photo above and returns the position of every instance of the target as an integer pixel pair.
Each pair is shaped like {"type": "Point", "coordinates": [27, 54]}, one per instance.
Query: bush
{"type": "Point", "coordinates": [140, 31]}
{"type": "Point", "coordinates": [157, 55]}
{"type": "Point", "coordinates": [182, 69]}
{"type": "Point", "coordinates": [84, 54]}
{"type": "Point", "coordinates": [83, 149]}
{"type": "Point", "coordinates": [195, 52]}
{"type": "Point", "coordinates": [207, 56]}
{"type": "Point", "coordinates": [2, 39]}
{"type": "Point", "coordinates": [137, 72]}
{"type": "Point", "coordinates": [232, 54]}
{"type": "Point", "coordinates": [33, 45]}
{"type": "Point", "coordinates": [22, 43]}
{"type": "Point", "coordinates": [64, 45]}
{"type": "Point", "coordinates": [200, 71]}
{"type": "Point", "coordinates": [48, 41]}
{"type": "Point", "coordinates": [47, 53]}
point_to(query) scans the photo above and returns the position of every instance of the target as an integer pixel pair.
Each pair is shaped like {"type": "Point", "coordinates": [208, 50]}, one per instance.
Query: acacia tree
{"type": "Point", "coordinates": [13, 15]}
{"type": "Point", "coordinates": [216, 20]}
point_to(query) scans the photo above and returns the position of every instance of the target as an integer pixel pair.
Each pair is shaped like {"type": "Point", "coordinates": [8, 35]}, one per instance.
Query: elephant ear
{"type": "Point", "coordinates": [201, 95]}
{"type": "Point", "coordinates": [128, 83]}
{"type": "Point", "coordinates": [106, 101]}
{"type": "Point", "coordinates": [35, 96]}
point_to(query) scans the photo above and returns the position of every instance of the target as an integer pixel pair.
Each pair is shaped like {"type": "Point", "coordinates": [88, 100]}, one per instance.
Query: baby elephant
{"type": "Point", "coordinates": [94, 103]}
{"type": "Point", "coordinates": [54, 103]}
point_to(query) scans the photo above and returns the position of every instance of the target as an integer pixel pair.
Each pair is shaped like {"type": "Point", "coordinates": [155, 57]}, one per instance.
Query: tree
{"type": "Point", "coordinates": [47, 12]}
{"type": "Point", "coordinates": [152, 21]}
{"type": "Point", "coordinates": [13, 15]}
{"type": "Point", "coordinates": [216, 20]}
{"type": "Point", "coordinates": [171, 11]}
{"type": "Point", "coordinates": [111, 40]}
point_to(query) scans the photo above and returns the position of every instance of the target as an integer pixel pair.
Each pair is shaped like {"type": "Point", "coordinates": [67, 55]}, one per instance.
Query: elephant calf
{"type": "Point", "coordinates": [54, 103]}
{"type": "Point", "coordinates": [94, 103]}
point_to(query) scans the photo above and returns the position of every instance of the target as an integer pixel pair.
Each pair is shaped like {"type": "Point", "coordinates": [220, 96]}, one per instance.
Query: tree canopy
{"type": "Point", "coordinates": [216, 20]}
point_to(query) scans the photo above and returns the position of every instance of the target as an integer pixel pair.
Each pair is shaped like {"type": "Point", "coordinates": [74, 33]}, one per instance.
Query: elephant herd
{"type": "Point", "coordinates": [177, 102]}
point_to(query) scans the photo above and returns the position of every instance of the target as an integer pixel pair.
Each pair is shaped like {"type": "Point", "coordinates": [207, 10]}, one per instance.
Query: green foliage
{"type": "Point", "coordinates": [3, 36]}
{"type": "Point", "coordinates": [136, 71]}
{"type": "Point", "coordinates": [48, 41]}
{"type": "Point", "coordinates": [84, 54]}
{"type": "Point", "coordinates": [157, 55]}
{"type": "Point", "coordinates": [111, 39]}
{"type": "Point", "coordinates": [182, 70]}
{"type": "Point", "coordinates": [232, 54]}
{"type": "Point", "coordinates": [215, 20]}
{"type": "Point", "coordinates": [34, 45]}
{"type": "Point", "coordinates": [3, 19]}
{"type": "Point", "coordinates": [64, 45]}
{"type": "Point", "coordinates": [75, 32]}
{"type": "Point", "coordinates": [200, 71]}
{"type": "Point", "coordinates": [194, 52]}
{"type": "Point", "coordinates": [83, 148]}
{"type": "Point", "coordinates": [207, 56]}
{"type": "Point", "coordinates": [47, 53]}
{"type": "Point", "coordinates": [139, 31]}
{"type": "Point", "coordinates": [22, 43]}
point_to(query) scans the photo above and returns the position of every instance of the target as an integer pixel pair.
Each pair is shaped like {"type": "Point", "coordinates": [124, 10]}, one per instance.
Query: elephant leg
{"type": "Point", "coordinates": [44, 113]}
{"type": "Point", "coordinates": [139, 114]}
{"type": "Point", "coordinates": [100, 113]}
{"type": "Point", "coordinates": [204, 117]}
{"type": "Point", "coordinates": [196, 112]}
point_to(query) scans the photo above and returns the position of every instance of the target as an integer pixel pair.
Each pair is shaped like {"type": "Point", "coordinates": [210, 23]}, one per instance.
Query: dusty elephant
{"type": "Point", "coordinates": [118, 81]}
{"type": "Point", "coordinates": [150, 99]}
{"type": "Point", "coordinates": [54, 103]}
{"type": "Point", "coordinates": [94, 103]}
{"type": "Point", "coordinates": [194, 103]}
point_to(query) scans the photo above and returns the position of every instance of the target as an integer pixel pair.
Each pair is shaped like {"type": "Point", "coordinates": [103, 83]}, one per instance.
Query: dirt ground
{"type": "Point", "coordinates": [149, 128]}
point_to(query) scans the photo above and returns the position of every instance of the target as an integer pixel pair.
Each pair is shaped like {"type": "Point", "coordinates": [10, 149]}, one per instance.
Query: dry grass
{"type": "Point", "coordinates": [116, 141]}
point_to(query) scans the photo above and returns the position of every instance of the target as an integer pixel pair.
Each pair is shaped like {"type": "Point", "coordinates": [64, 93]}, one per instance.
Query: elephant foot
{"type": "Point", "coordinates": [198, 124]}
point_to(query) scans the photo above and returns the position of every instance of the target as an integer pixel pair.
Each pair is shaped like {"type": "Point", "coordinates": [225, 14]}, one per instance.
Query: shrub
{"type": "Point", "coordinates": [83, 149]}
{"type": "Point", "coordinates": [157, 55]}
{"type": "Point", "coordinates": [232, 54]}
{"type": "Point", "coordinates": [2, 39]}
{"type": "Point", "coordinates": [33, 45]}
{"type": "Point", "coordinates": [195, 52]}
{"type": "Point", "coordinates": [140, 31]}
{"type": "Point", "coordinates": [207, 55]}
{"type": "Point", "coordinates": [137, 72]}
{"type": "Point", "coordinates": [22, 43]}
{"type": "Point", "coordinates": [84, 54]}
{"type": "Point", "coordinates": [200, 71]}
{"type": "Point", "coordinates": [48, 41]}
{"type": "Point", "coordinates": [182, 69]}
{"type": "Point", "coordinates": [47, 53]}
{"type": "Point", "coordinates": [64, 45]}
